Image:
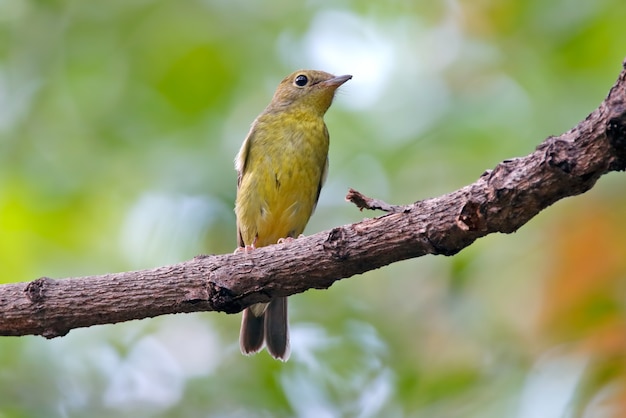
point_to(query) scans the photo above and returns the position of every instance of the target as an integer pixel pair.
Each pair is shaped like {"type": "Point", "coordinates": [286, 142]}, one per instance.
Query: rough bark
{"type": "Point", "coordinates": [501, 200]}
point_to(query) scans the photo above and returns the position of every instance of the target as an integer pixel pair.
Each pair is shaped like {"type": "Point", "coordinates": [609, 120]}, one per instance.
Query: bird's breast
{"type": "Point", "coordinates": [280, 187]}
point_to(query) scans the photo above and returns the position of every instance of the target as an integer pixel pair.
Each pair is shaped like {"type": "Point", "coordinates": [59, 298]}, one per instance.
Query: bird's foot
{"type": "Point", "coordinates": [247, 248]}
{"type": "Point", "coordinates": [287, 240]}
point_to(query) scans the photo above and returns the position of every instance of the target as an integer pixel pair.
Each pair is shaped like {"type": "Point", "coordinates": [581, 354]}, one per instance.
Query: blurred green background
{"type": "Point", "coordinates": [119, 122]}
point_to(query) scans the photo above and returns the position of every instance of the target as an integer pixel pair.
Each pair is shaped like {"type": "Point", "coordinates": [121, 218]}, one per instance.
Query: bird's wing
{"type": "Point", "coordinates": [241, 163]}
{"type": "Point", "coordinates": [241, 160]}
{"type": "Point", "coordinates": [323, 176]}
{"type": "Point", "coordinates": [321, 183]}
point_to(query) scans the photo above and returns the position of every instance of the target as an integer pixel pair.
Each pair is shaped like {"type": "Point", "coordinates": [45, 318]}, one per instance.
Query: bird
{"type": "Point", "coordinates": [281, 168]}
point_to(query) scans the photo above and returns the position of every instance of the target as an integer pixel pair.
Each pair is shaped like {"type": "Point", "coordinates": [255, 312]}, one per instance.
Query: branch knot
{"type": "Point", "coordinates": [335, 244]}
{"type": "Point", "coordinates": [471, 217]}
{"type": "Point", "coordinates": [559, 156]}
{"type": "Point", "coordinates": [36, 290]}
{"type": "Point", "coordinates": [616, 133]}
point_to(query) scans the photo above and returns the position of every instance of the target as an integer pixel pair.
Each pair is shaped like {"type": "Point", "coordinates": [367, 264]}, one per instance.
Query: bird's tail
{"type": "Point", "coordinates": [252, 329]}
{"type": "Point", "coordinates": [277, 329]}
{"type": "Point", "coordinates": [267, 324]}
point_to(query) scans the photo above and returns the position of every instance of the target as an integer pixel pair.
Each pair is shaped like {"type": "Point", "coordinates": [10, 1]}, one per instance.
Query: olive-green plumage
{"type": "Point", "coordinates": [281, 168]}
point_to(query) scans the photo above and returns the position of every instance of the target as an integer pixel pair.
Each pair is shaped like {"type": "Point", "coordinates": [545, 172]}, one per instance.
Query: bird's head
{"type": "Point", "coordinates": [308, 90]}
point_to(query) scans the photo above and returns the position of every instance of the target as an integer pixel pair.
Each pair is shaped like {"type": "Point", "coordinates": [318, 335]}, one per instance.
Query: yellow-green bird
{"type": "Point", "coordinates": [281, 168]}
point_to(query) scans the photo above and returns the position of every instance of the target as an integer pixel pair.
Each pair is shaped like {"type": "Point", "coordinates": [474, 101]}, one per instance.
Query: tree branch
{"type": "Point", "coordinates": [501, 200]}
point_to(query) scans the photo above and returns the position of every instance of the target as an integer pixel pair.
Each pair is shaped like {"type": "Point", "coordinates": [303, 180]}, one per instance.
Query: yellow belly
{"type": "Point", "coordinates": [280, 184]}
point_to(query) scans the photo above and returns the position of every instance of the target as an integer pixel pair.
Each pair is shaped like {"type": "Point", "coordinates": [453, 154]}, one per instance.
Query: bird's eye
{"type": "Point", "coordinates": [301, 80]}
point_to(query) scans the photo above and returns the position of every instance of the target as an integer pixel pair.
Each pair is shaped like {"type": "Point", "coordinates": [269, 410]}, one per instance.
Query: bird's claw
{"type": "Point", "coordinates": [245, 249]}
{"type": "Point", "coordinates": [287, 240]}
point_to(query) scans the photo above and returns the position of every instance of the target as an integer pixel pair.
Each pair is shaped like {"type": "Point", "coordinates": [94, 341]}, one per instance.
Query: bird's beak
{"type": "Point", "coordinates": [337, 81]}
